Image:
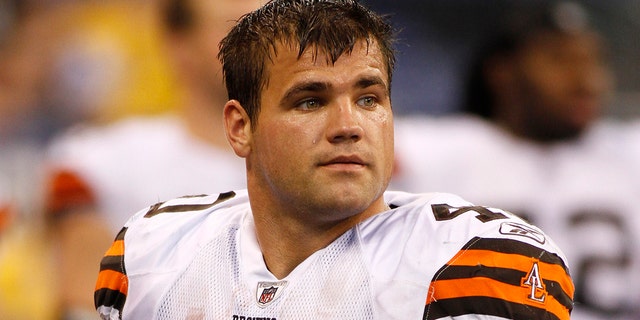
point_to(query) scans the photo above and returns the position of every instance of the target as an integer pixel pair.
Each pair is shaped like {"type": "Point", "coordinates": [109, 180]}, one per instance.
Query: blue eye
{"type": "Point", "coordinates": [309, 104]}
{"type": "Point", "coordinates": [366, 102]}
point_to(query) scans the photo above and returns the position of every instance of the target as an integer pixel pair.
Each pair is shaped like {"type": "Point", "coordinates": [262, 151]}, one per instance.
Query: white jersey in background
{"type": "Point", "coordinates": [137, 161]}
{"type": "Point", "coordinates": [583, 194]}
{"type": "Point", "coordinates": [431, 256]}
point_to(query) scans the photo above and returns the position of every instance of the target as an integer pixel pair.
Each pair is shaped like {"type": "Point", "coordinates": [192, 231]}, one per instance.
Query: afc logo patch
{"type": "Point", "coordinates": [267, 292]}
{"type": "Point", "coordinates": [533, 280]}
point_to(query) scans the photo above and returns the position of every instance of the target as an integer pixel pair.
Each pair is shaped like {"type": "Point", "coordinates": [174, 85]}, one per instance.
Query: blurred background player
{"type": "Point", "coordinates": [99, 174]}
{"type": "Point", "coordinates": [533, 140]}
{"type": "Point", "coordinates": [61, 63]}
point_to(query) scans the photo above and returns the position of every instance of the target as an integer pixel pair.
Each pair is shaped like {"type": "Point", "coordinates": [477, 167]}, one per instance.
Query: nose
{"type": "Point", "coordinates": [343, 123]}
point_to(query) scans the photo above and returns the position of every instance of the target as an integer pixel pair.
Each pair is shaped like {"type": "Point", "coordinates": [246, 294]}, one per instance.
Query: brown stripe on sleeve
{"type": "Point", "coordinates": [448, 308]}
{"type": "Point", "coordinates": [501, 292]}
{"type": "Point", "coordinates": [501, 277]}
{"type": "Point", "coordinates": [112, 284]}
{"type": "Point", "coordinates": [552, 272]}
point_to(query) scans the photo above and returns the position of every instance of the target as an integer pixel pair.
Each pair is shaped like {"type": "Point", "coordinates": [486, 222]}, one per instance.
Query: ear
{"type": "Point", "coordinates": [237, 127]}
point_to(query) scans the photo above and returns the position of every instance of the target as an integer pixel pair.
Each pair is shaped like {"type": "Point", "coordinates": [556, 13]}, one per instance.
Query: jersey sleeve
{"type": "Point", "coordinates": [149, 250]}
{"type": "Point", "coordinates": [515, 272]}
{"type": "Point", "coordinates": [113, 284]}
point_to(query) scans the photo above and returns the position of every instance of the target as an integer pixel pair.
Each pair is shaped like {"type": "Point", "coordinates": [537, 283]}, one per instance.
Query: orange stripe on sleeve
{"type": "Point", "coordinates": [479, 286]}
{"type": "Point", "coordinates": [522, 263]}
{"type": "Point", "coordinates": [116, 249]}
{"type": "Point", "coordinates": [113, 280]}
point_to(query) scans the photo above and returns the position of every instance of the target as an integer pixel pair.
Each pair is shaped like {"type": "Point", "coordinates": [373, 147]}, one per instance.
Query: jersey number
{"type": "Point", "coordinates": [446, 212]}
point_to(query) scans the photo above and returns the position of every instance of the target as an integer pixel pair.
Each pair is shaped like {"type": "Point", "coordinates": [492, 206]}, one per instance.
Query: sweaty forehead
{"type": "Point", "coordinates": [287, 55]}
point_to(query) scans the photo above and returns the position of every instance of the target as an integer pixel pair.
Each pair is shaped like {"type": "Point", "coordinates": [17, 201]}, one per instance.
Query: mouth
{"type": "Point", "coordinates": [344, 162]}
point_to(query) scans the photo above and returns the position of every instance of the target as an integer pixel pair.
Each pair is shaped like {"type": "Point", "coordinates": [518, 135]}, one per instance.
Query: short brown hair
{"type": "Point", "coordinates": [328, 26]}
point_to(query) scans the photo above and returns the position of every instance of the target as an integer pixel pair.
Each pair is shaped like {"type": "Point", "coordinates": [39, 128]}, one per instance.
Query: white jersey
{"type": "Point", "coordinates": [583, 194]}
{"type": "Point", "coordinates": [431, 256]}
{"type": "Point", "coordinates": [125, 166]}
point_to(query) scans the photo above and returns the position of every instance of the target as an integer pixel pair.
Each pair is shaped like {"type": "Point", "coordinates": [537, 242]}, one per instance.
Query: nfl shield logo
{"type": "Point", "coordinates": [267, 295]}
{"type": "Point", "coordinates": [267, 292]}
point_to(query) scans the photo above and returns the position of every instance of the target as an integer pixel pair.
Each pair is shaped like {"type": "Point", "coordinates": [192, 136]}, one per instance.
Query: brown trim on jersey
{"type": "Point", "coordinates": [111, 298]}
{"type": "Point", "coordinates": [158, 209]}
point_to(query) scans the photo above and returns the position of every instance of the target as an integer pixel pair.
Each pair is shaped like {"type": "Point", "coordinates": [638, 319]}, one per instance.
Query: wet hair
{"type": "Point", "coordinates": [521, 24]}
{"type": "Point", "coordinates": [330, 27]}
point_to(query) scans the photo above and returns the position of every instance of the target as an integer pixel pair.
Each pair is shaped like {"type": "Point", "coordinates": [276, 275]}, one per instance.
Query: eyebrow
{"type": "Point", "coordinates": [318, 86]}
{"type": "Point", "coordinates": [370, 81]}
{"type": "Point", "coordinates": [311, 86]}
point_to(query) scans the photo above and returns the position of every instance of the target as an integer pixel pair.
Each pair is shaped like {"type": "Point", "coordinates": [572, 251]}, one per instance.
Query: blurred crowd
{"type": "Point", "coordinates": [62, 63]}
{"type": "Point", "coordinates": [66, 62]}
{"type": "Point", "coordinates": [88, 86]}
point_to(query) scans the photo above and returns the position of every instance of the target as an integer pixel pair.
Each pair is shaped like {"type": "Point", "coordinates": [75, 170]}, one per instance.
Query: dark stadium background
{"type": "Point", "coordinates": [437, 38]}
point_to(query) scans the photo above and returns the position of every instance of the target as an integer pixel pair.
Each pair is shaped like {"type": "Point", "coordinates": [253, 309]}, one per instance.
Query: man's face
{"type": "Point", "coordinates": [562, 81]}
{"type": "Point", "coordinates": [323, 141]}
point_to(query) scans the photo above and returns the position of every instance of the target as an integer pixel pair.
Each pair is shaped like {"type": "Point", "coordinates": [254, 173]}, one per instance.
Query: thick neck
{"type": "Point", "coordinates": [288, 238]}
